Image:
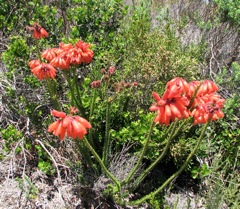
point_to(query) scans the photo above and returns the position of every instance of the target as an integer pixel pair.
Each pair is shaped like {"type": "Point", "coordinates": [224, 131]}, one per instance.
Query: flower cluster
{"type": "Point", "coordinates": [73, 126]}
{"type": "Point", "coordinates": [182, 100]}
{"type": "Point", "coordinates": [38, 31]}
{"type": "Point", "coordinates": [96, 84]}
{"type": "Point", "coordinates": [120, 86]}
{"type": "Point", "coordinates": [62, 57]}
{"type": "Point", "coordinates": [111, 70]}
{"type": "Point", "coordinates": [68, 54]}
{"type": "Point", "coordinates": [42, 70]}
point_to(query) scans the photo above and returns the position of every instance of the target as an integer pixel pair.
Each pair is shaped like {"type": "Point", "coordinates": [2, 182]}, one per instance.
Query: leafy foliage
{"type": "Point", "coordinates": [230, 10]}
{"type": "Point", "coordinates": [122, 37]}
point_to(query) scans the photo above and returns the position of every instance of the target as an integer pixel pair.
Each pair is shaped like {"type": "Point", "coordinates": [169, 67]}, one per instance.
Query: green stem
{"type": "Point", "coordinates": [38, 51]}
{"type": "Point", "coordinates": [152, 194]}
{"type": "Point", "coordinates": [53, 94]}
{"type": "Point", "coordinates": [91, 113]}
{"type": "Point", "coordinates": [133, 171]}
{"type": "Point", "coordinates": [105, 170]}
{"type": "Point", "coordinates": [81, 108]}
{"type": "Point", "coordinates": [106, 146]}
{"type": "Point", "coordinates": [172, 135]}
{"type": "Point", "coordinates": [74, 100]}
{"type": "Point", "coordinates": [85, 153]}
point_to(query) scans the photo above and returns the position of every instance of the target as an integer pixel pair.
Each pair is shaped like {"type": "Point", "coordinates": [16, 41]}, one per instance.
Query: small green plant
{"type": "Point", "coordinates": [201, 172]}
{"type": "Point", "coordinates": [10, 136]}
{"type": "Point", "coordinates": [222, 185]}
{"type": "Point", "coordinates": [28, 188]}
{"type": "Point", "coordinates": [16, 55]}
{"type": "Point", "coordinates": [230, 10]}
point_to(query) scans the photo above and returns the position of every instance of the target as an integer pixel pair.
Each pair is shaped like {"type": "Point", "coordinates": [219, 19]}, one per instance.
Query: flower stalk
{"type": "Point", "coordinates": [53, 95]}
{"type": "Point", "coordinates": [104, 169]}
{"type": "Point", "coordinates": [107, 144]}
{"type": "Point", "coordinates": [175, 175]}
{"type": "Point", "coordinates": [74, 99]}
{"type": "Point", "coordinates": [136, 167]}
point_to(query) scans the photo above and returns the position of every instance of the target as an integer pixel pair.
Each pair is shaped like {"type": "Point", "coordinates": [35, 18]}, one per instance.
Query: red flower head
{"type": "Point", "coordinates": [65, 47]}
{"type": "Point", "coordinates": [135, 83]}
{"type": "Point", "coordinates": [34, 63]}
{"type": "Point", "coordinates": [207, 87]}
{"type": "Point", "coordinates": [111, 70]}
{"type": "Point", "coordinates": [61, 62]}
{"type": "Point", "coordinates": [73, 126]}
{"type": "Point", "coordinates": [44, 71]}
{"type": "Point", "coordinates": [74, 56]}
{"type": "Point", "coordinates": [48, 54]}
{"type": "Point", "coordinates": [38, 31]}
{"type": "Point", "coordinates": [176, 88]}
{"type": "Point", "coordinates": [176, 100]}
{"type": "Point", "coordinates": [169, 108]}
{"type": "Point", "coordinates": [96, 84]}
{"type": "Point", "coordinates": [209, 108]}
{"type": "Point", "coordinates": [87, 53]}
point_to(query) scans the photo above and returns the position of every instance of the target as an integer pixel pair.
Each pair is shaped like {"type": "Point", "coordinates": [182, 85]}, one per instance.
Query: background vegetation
{"type": "Point", "coordinates": [149, 42]}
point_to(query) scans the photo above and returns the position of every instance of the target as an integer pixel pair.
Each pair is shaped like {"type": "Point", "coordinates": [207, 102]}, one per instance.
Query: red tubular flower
{"type": "Point", "coordinates": [34, 63]}
{"type": "Point", "coordinates": [87, 53]}
{"type": "Point", "coordinates": [203, 88]}
{"type": "Point", "coordinates": [73, 110]}
{"type": "Point", "coordinates": [175, 88]}
{"type": "Point", "coordinates": [58, 51]}
{"type": "Point", "coordinates": [209, 108]}
{"type": "Point", "coordinates": [168, 109]}
{"type": "Point", "coordinates": [60, 62]}
{"type": "Point", "coordinates": [74, 56]}
{"type": "Point", "coordinates": [65, 46]}
{"type": "Point", "coordinates": [38, 31]}
{"type": "Point", "coordinates": [207, 87]}
{"type": "Point", "coordinates": [193, 87]}
{"type": "Point", "coordinates": [48, 54]}
{"type": "Point", "coordinates": [73, 126]}
{"type": "Point", "coordinates": [44, 71]}
{"type": "Point", "coordinates": [87, 56]}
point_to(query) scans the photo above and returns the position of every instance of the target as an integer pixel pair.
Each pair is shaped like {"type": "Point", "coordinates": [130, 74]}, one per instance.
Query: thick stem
{"type": "Point", "coordinates": [85, 153]}
{"type": "Point", "coordinates": [53, 94]}
{"type": "Point", "coordinates": [105, 170]}
{"type": "Point", "coordinates": [172, 135]}
{"type": "Point", "coordinates": [107, 144]}
{"type": "Point", "coordinates": [38, 51]}
{"type": "Point", "coordinates": [81, 108]}
{"type": "Point", "coordinates": [133, 171]}
{"type": "Point", "coordinates": [152, 194]}
{"type": "Point", "coordinates": [91, 114]}
{"type": "Point", "coordinates": [74, 99]}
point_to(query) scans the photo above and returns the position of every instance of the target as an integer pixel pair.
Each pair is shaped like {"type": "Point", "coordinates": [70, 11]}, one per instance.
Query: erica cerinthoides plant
{"type": "Point", "coordinates": [182, 100]}
{"type": "Point", "coordinates": [76, 127]}
{"type": "Point", "coordinates": [65, 59]}
{"type": "Point", "coordinates": [196, 102]}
